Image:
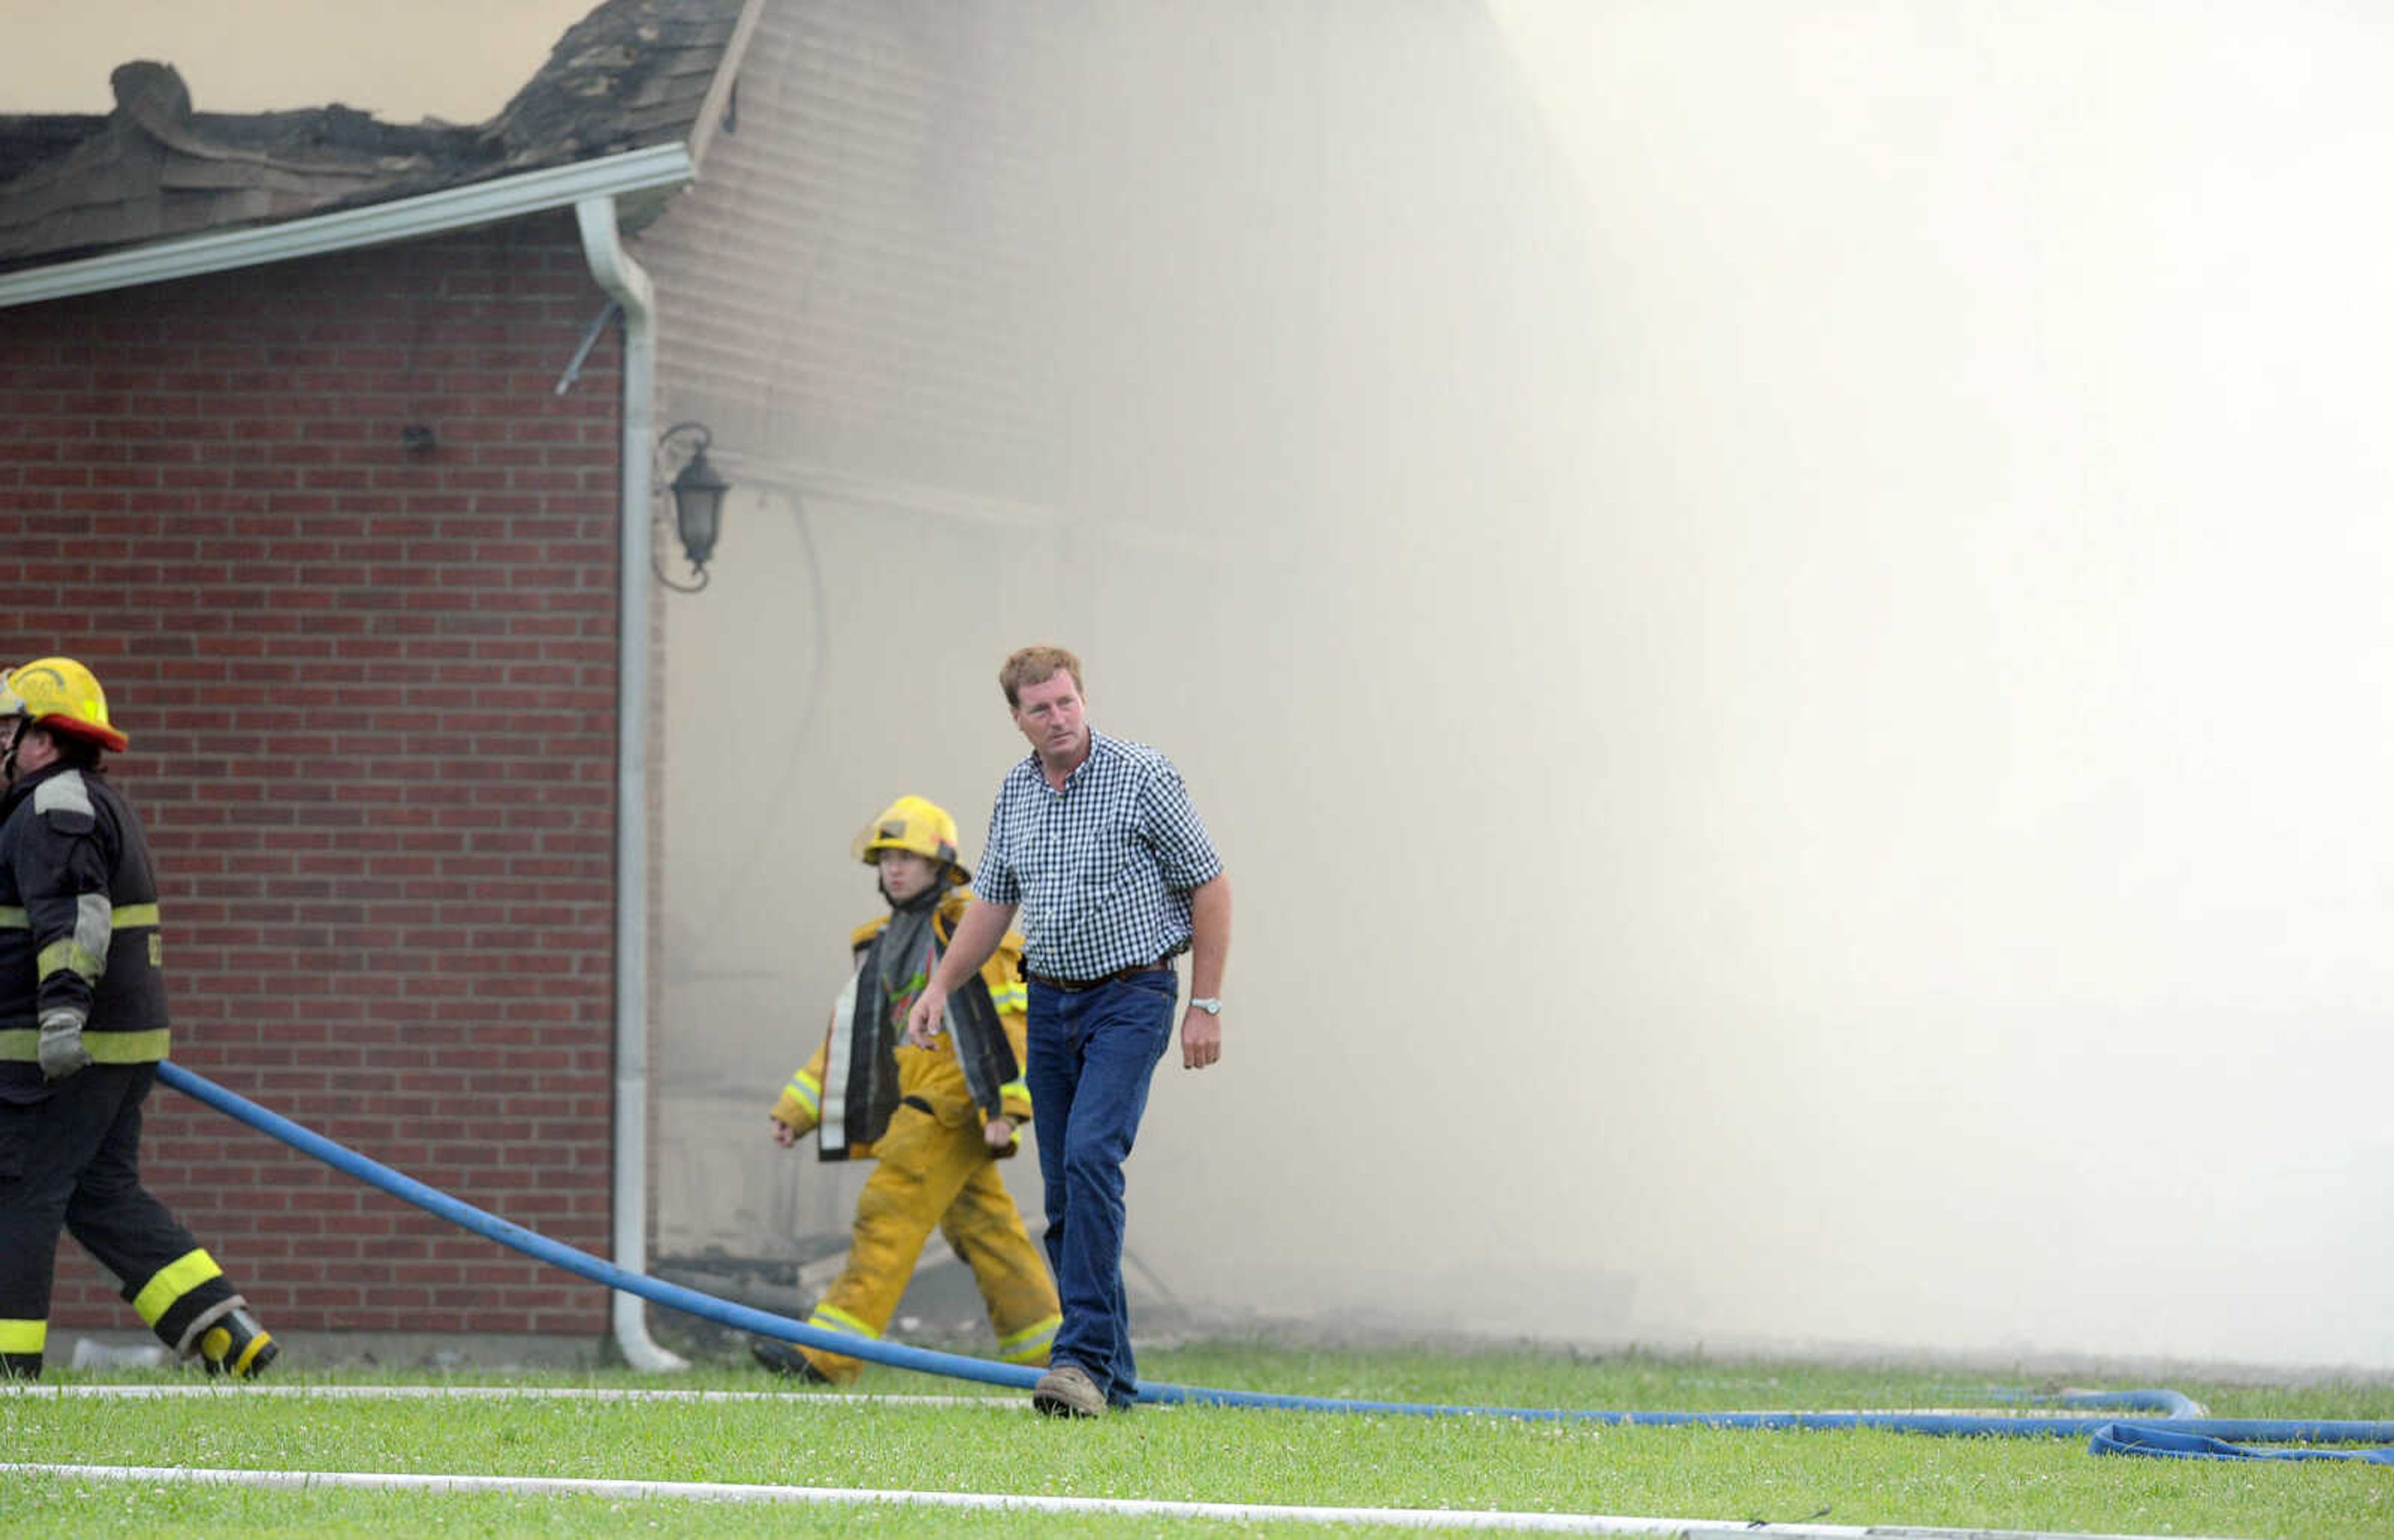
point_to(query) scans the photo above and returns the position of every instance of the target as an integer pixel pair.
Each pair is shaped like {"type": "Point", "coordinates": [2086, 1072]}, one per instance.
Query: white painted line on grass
{"type": "Point", "coordinates": [35, 1389]}
{"type": "Point", "coordinates": [736, 1492]}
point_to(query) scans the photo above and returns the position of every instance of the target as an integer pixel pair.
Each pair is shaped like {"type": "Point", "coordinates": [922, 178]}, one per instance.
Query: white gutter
{"type": "Point", "coordinates": [659, 169]}
{"type": "Point", "coordinates": [624, 278]}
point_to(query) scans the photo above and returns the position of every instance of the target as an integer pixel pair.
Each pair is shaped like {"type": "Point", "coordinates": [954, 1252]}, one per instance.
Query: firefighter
{"type": "Point", "coordinates": [937, 1120]}
{"type": "Point", "coordinates": [82, 1025]}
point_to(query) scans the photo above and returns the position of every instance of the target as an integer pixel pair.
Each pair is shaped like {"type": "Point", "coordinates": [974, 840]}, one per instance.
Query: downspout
{"type": "Point", "coordinates": [624, 280]}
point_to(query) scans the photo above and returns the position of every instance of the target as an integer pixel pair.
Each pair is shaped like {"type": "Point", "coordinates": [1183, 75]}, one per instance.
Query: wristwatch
{"type": "Point", "coordinates": [1211, 1007]}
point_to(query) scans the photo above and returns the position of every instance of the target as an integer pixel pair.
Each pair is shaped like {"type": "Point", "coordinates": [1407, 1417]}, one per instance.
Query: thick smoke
{"type": "Point", "coordinates": [1776, 614]}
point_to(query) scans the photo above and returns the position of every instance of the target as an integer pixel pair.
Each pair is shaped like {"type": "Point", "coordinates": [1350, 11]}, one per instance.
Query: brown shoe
{"type": "Point", "coordinates": [1067, 1391]}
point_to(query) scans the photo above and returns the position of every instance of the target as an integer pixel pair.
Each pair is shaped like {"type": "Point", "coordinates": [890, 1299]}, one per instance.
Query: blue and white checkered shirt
{"type": "Point", "coordinates": [1102, 869]}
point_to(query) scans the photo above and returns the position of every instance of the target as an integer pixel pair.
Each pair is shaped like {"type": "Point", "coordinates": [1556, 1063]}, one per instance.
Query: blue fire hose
{"type": "Point", "coordinates": [2182, 1414]}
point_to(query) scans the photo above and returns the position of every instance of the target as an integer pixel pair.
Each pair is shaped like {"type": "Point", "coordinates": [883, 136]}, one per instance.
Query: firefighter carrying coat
{"type": "Point", "coordinates": [920, 1113]}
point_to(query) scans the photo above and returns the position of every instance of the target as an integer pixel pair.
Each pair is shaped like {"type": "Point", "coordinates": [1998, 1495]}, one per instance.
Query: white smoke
{"type": "Point", "coordinates": [1775, 614]}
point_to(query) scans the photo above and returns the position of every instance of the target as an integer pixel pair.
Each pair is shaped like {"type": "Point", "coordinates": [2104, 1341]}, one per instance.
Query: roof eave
{"type": "Point", "coordinates": [711, 111]}
{"type": "Point", "coordinates": [656, 171]}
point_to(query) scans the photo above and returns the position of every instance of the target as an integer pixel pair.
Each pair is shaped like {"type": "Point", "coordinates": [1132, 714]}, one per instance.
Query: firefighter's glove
{"type": "Point", "coordinates": [61, 1048]}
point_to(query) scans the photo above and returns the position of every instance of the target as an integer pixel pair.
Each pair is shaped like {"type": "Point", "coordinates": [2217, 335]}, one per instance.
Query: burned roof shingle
{"type": "Point", "coordinates": [630, 74]}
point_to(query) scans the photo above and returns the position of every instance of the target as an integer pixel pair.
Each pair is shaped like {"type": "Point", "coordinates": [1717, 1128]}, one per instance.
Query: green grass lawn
{"type": "Point", "coordinates": [1206, 1454]}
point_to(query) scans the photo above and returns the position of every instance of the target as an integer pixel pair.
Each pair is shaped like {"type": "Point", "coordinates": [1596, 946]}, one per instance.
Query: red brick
{"type": "Point", "coordinates": [211, 503]}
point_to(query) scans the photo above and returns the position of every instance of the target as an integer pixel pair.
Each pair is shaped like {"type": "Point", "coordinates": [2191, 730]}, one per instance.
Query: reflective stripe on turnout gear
{"type": "Point", "coordinates": [124, 916]}
{"type": "Point", "coordinates": [830, 1318]}
{"type": "Point", "coordinates": [172, 1282]}
{"type": "Point", "coordinates": [1031, 1343]}
{"type": "Point", "coordinates": [24, 1337]}
{"type": "Point", "coordinates": [22, 1044]}
{"type": "Point", "coordinates": [84, 951]}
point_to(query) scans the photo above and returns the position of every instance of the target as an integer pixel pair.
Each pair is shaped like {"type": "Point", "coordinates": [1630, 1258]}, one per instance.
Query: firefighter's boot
{"type": "Point", "coordinates": [783, 1358]}
{"type": "Point", "coordinates": [235, 1344]}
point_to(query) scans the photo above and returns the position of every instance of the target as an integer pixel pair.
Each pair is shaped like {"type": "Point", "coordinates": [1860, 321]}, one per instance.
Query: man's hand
{"type": "Point", "coordinates": [1200, 1038]}
{"type": "Point", "coordinates": [998, 1132]}
{"type": "Point", "coordinates": [61, 1047]}
{"type": "Point", "coordinates": [923, 1022]}
{"type": "Point", "coordinates": [784, 1135]}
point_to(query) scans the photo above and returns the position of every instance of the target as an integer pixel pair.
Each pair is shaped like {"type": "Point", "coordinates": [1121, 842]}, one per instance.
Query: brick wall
{"type": "Point", "coordinates": [370, 686]}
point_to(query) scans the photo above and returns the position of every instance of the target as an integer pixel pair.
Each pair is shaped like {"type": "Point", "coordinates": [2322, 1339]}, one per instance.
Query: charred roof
{"type": "Point", "coordinates": [630, 74]}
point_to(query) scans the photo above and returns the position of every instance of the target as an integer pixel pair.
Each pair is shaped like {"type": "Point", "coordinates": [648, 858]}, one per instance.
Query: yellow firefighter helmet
{"type": "Point", "coordinates": [60, 694]}
{"type": "Point", "coordinates": [914, 824]}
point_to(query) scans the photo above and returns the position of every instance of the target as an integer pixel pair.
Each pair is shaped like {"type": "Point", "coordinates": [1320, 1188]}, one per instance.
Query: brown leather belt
{"type": "Point", "coordinates": [1074, 986]}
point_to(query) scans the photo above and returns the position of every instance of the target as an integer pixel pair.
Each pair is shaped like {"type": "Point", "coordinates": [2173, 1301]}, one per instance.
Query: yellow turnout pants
{"type": "Point", "coordinates": [932, 1171]}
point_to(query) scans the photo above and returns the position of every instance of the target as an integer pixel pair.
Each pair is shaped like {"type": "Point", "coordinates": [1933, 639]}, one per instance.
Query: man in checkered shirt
{"type": "Point", "coordinates": [1094, 843]}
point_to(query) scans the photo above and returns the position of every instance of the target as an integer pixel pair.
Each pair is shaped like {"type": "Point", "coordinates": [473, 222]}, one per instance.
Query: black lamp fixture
{"type": "Point", "coordinates": [698, 489]}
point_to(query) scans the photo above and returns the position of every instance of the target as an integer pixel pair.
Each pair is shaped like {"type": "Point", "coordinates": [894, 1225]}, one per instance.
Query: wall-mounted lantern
{"type": "Point", "coordinates": [698, 489]}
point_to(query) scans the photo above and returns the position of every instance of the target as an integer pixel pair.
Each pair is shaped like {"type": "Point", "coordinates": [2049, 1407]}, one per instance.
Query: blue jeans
{"type": "Point", "coordinates": [1093, 1053]}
